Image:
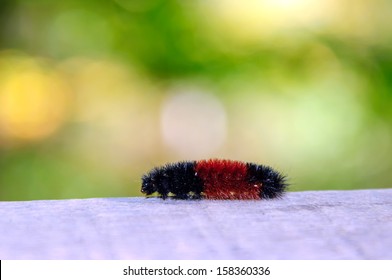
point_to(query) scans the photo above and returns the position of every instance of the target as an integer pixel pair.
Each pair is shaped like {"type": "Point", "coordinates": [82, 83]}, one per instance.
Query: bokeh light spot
{"type": "Point", "coordinates": [255, 20]}
{"type": "Point", "coordinates": [193, 123]}
{"type": "Point", "coordinates": [33, 102]}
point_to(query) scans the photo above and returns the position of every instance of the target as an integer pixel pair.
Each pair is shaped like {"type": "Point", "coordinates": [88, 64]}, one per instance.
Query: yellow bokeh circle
{"type": "Point", "coordinates": [34, 101]}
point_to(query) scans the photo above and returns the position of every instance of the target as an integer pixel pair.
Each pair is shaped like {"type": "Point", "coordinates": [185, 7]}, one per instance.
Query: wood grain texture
{"type": "Point", "coordinates": [302, 225]}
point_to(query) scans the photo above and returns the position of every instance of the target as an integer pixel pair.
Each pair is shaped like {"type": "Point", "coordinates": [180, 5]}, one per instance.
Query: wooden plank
{"type": "Point", "coordinates": [302, 225]}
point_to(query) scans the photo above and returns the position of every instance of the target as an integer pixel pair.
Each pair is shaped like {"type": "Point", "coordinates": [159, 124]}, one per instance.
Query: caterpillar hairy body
{"type": "Point", "coordinates": [214, 179]}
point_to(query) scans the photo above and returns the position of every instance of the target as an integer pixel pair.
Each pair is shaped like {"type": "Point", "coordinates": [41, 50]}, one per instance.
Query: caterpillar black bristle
{"type": "Point", "coordinates": [214, 179]}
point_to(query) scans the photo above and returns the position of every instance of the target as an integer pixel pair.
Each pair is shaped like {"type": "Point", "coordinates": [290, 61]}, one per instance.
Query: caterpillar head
{"type": "Point", "coordinates": [148, 186]}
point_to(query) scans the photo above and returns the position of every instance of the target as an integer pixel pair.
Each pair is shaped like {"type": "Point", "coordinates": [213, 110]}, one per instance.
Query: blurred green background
{"type": "Point", "coordinates": [95, 93]}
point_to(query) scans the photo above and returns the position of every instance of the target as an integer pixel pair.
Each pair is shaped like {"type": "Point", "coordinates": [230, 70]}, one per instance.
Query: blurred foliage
{"type": "Point", "coordinates": [94, 93]}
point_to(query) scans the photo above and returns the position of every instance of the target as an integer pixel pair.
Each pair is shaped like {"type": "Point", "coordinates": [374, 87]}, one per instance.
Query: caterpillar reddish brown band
{"type": "Point", "coordinates": [214, 179]}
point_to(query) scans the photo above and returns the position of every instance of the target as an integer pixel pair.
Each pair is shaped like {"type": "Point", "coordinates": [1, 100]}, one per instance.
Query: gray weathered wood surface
{"type": "Point", "coordinates": [302, 225]}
